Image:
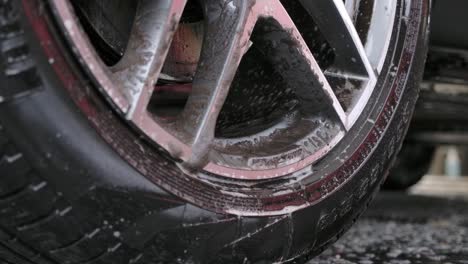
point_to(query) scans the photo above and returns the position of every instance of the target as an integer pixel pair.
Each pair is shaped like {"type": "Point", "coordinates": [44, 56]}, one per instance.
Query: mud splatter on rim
{"type": "Point", "coordinates": [328, 101]}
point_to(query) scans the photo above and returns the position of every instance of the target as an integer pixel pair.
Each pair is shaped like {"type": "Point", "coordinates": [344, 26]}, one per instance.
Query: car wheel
{"type": "Point", "coordinates": [412, 164]}
{"type": "Point", "coordinates": [198, 131]}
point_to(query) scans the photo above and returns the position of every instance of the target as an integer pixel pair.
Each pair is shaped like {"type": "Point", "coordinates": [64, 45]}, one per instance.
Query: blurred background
{"type": "Point", "coordinates": [439, 133]}
{"type": "Point", "coordinates": [447, 173]}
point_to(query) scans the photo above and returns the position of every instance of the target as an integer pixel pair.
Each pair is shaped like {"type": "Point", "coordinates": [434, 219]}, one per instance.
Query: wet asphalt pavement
{"type": "Point", "coordinates": [405, 229]}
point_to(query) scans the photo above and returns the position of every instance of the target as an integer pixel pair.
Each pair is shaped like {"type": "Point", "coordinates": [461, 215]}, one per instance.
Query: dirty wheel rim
{"type": "Point", "coordinates": [328, 100]}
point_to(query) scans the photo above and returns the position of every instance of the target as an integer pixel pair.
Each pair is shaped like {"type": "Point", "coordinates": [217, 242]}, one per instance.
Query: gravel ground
{"type": "Point", "coordinates": [405, 229]}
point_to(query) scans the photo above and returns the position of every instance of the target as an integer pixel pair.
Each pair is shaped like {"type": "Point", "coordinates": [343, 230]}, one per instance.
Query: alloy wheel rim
{"type": "Point", "coordinates": [231, 29]}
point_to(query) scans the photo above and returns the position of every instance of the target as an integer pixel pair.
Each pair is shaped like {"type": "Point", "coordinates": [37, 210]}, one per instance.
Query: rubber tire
{"type": "Point", "coordinates": [413, 162]}
{"type": "Point", "coordinates": [67, 197]}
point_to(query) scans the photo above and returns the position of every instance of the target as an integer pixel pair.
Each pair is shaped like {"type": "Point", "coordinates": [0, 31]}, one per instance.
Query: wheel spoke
{"type": "Point", "coordinates": [228, 28]}
{"type": "Point", "coordinates": [335, 24]}
{"type": "Point", "coordinates": [352, 8]}
{"type": "Point", "coordinates": [283, 45]}
{"type": "Point", "coordinates": [153, 29]}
